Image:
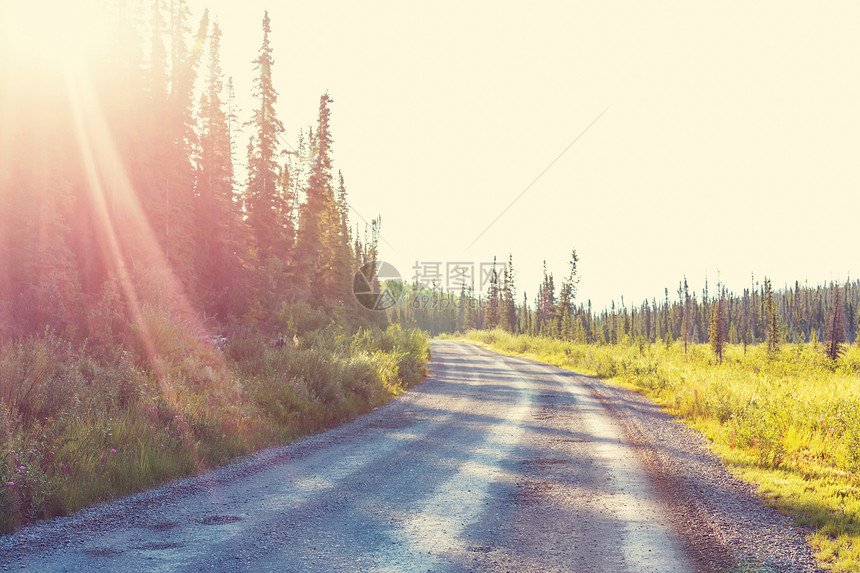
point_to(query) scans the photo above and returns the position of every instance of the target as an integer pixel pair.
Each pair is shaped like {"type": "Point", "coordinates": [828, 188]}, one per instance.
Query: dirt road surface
{"type": "Point", "coordinates": [493, 463]}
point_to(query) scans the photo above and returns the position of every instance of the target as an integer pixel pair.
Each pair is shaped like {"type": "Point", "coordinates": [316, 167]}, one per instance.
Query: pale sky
{"type": "Point", "coordinates": [729, 143]}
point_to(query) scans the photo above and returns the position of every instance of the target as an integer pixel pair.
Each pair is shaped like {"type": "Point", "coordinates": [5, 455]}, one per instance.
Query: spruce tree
{"type": "Point", "coordinates": [687, 324]}
{"type": "Point", "coordinates": [646, 311]}
{"type": "Point", "coordinates": [656, 320]}
{"type": "Point", "coordinates": [218, 220]}
{"type": "Point", "coordinates": [179, 186]}
{"type": "Point", "coordinates": [668, 334]}
{"type": "Point", "coordinates": [835, 330]}
{"type": "Point", "coordinates": [509, 308]}
{"type": "Point", "coordinates": [471, 312]}
{"type": "Point", "coordinates": [706, 308]}
{"type": "Point", "coordinates": [613, 330]}
{"type": "Point", "coordinates": [626, 320]}
{"type": "Point", "coordinates": [262, 195]}
{"type": "Point", "coordinates": [342, 260]}
{"type": "Point", "coordinates": [545, 306]}
{"type": "Point", "coordinates": [772, 317]}
{"type": "Point", "coordinates": [492, 315]}
{"type": "Point", "coordinates": [745, 324]}
{"type": "Point", "coordinates": [461, 309]}
{"type": "Point", "coordinates": [164, 144]}
{"type": "Point", "coordinates": [525, 316]}
{"type": "Point", "coordinates": [318, 220]}
{"type": "Point", "coordinates": [718, 332]}
{"type": "Point", "coordinates": [566, 298]}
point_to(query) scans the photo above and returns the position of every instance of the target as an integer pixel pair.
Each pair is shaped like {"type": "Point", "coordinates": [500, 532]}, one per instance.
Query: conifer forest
{"type": "Point", "coordinates": [155, 275]}
{"type": "Point", "coordinates": [184, 281]}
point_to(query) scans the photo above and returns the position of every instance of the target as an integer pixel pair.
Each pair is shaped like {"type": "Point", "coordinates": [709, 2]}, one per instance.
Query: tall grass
{"type": "Point", "coordinates": [789, 422]}
{"type": "Point", "coordinates": [76, 429]}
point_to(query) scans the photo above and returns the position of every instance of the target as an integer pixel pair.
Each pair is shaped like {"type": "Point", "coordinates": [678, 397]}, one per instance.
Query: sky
{"type": "Point", "coordinates": [709, 140]}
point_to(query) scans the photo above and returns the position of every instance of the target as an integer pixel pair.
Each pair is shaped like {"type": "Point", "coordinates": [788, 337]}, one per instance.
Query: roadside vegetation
{"type": "Point", "coordinates": [786, 420]}
{"type": "Point", "coordinates": [159, 314]}
{"type": "Point", "coordinates": [771, 376]}
{"type": "Point", "coordinates": [77, 429]}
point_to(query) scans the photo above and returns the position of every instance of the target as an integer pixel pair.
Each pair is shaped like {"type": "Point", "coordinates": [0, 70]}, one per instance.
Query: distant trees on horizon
{"type": "Point", "coordinates": [757, 315]}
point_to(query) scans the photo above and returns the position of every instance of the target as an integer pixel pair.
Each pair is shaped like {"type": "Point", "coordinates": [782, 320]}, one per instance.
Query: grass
{"type": "Point", "coordinates": [789, 422]}
{"type": "Point", "coordinates": [78, 426]}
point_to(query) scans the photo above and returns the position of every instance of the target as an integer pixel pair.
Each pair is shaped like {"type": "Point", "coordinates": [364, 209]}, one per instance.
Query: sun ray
{"type": "Point", "coordinates": [42, 35]}
{"type": "Point", "coordinates": [84, 119]}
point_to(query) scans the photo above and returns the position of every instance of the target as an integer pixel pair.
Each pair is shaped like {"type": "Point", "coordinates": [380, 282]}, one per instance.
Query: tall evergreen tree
{"type": "Point", "coordinates": [687, 324]}
{"type": "Point", "coordinates": [318, 220]}
{"type": "Point", "coordinates": [262, 197]}
{"type": "Point", "coordinates": [525, 316]}
{"type": "Point", "coordinates": [492, 316]}
{"type": "Point", "coordinates": [835, 330]}
{"type": "Point", "coordinates": [668, 334]}
{"type": "Point", "coordinates": [219, 223]}
{"type": "Point", "coordinates": [718, 332]}
{"type": "Point", "coordinates": [646, 311]}
{"type": "Point", "coordinates": [342, 258]}
{"type": "Point", "coordinates": [706, 310]}
{"type": "Point", "coordinates": [183, 151]}
{"type": "Point", "coordinates": [461, 309]}
{"type": "Point", "coordinates": [471, 313]}
{"type": "Point", "coordinates": [745, 325]}
{"type": "Point", "coordinates": [772, 317]}
{"type": "Point", "coordinates": [508, 315]}
{"type": "Point", "coordinates": [545, 306]}
{"type": "Point", "coordinates": [656, 320]}
{"type": "Point", "coordinates": [613, 324]}
{"type": "Point", "coordinates": [566, 298]}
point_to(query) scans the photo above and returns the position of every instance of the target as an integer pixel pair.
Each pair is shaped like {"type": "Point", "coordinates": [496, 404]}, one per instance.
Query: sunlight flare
{"type": "Point", "coordinates": [38, 37]}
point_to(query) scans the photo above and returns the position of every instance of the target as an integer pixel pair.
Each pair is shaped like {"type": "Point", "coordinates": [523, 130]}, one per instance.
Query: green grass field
{"type": "Point", "coordinates": [789, 423]}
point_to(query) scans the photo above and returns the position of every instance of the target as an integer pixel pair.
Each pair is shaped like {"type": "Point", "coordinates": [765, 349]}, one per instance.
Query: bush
{"type": "Point", "coordinates": [78, 427]}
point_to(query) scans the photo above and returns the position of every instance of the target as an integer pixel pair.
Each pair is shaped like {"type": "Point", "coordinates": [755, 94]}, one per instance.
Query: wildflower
{"type": "Point", "coordinates": [22, 468]}
{"type": "Point", "coordinates": [11, 484]}
{"type": "Point", "coordinates": [113, 450]}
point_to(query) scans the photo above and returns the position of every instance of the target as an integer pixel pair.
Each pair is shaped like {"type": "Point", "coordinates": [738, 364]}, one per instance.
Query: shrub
{"type": "Point", "coordinates": [87, 427]}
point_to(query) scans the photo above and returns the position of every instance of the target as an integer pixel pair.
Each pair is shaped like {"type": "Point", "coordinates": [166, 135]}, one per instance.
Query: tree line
{"type": "Point", "coordinates": [119, 191]}
{"type": "Point", "coordinates": [760, 314]}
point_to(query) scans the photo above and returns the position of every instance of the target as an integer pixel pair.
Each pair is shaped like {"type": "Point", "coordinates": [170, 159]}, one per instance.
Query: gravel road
{"type": "Point", "coordinates": [493, 463]}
